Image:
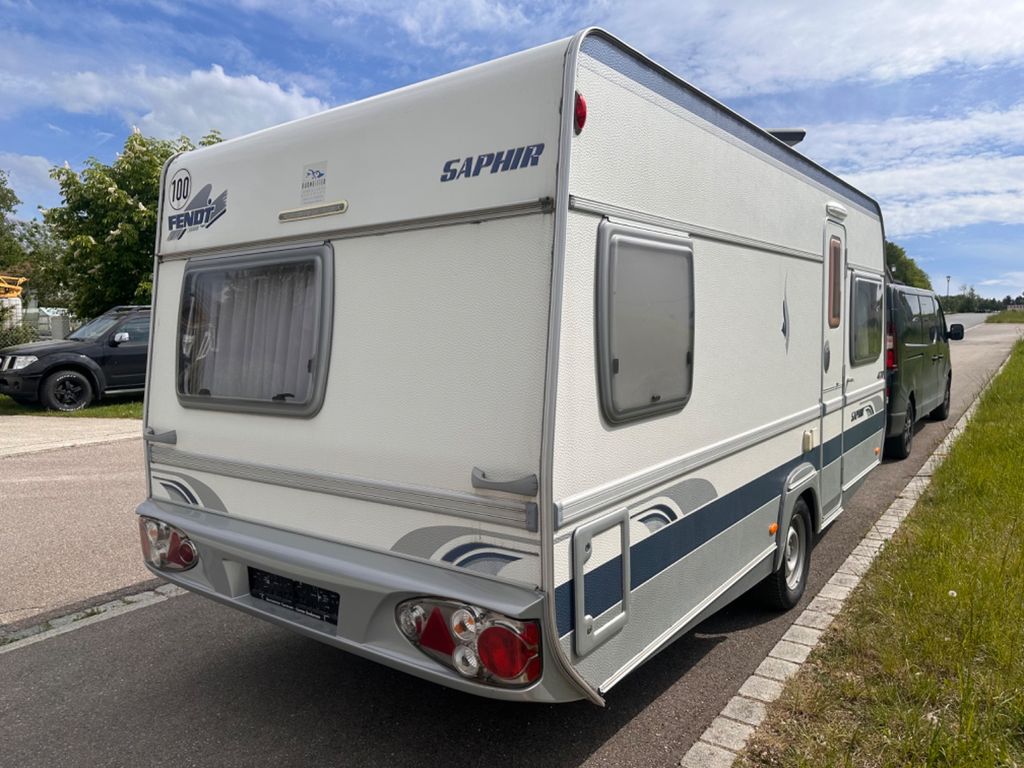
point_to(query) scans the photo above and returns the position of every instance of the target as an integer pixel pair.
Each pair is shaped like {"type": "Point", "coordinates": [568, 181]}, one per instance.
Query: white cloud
{"type": "Point", "coordinates": [165, 105]}
{"type": "Point", "coordinates": [932, 174]}
{"type": "Point", "coordinates": [757, 47]}
{"type": "Point", "coordinates": [29, 177]}
{"type": "Point", "coordinates": [878, 144]}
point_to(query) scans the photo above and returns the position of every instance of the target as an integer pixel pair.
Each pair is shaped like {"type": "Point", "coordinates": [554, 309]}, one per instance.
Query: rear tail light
{"type": "Point", "coordinates": [478, 644]}
{"type": "Point", "coordinates": [166, 547]}
{"type": "Point", "coordinates": [890, 348]}
{"type": "Point", "coordinates": [579, 113]}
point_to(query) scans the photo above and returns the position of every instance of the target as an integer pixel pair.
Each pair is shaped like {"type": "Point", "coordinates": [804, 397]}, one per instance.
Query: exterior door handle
{"type": "Point", "coordinates": [524, 486]}
{"type": "Point", "coordinates": [170, 437]}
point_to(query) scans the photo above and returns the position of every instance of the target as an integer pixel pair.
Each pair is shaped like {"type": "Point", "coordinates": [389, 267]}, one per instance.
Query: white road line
{"type": "Point", "coordinates": [73, 621]}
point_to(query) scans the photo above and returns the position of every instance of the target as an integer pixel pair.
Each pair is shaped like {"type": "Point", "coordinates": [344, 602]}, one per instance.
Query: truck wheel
{"type": "Point", "coordinates": [942, 412]}
{"type": "Point", "coordinates": [66, 391]}
{"type": "Point", "coordinates": [784, 588]}
{"type": "Point", "coordinates": [899, 446]}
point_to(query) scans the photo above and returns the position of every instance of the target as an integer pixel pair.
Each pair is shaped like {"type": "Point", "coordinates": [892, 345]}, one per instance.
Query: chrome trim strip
{"type": "Point", "coordinates": [520, 514]}
{"type": "Point", "coordinates": [542, 205]}
{"type": "Point", "coordinates": [591, 501]}
{"type": "Point", "coordinates": [860, 394]}
{"type": "Point", "coordinates": [597, 208]}
{"type": "Point", "coordinates": [313, 211]}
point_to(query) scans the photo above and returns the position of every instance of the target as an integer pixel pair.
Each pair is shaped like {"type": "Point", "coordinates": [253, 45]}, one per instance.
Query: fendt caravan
{"type": "Point", "coordinates": [509, 378]}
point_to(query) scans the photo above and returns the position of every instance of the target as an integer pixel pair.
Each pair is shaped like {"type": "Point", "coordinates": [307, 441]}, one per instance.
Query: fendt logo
{"type": "Point", "coordinates": [202, 210]}
{"type": "Point", "coordinates": [496, 162]}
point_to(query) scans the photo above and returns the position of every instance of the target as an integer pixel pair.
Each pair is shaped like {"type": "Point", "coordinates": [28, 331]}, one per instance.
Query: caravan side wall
{"type": "Point", "coordinates": [702, 483]}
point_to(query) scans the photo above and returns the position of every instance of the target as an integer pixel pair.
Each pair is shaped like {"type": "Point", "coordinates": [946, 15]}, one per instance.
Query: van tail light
{"type": "Point", "coordinates": [165, 547]}
{"type": "Point", "coordinates": [890, 348]}
{"type": "Point", "coordinates": [478, 644]}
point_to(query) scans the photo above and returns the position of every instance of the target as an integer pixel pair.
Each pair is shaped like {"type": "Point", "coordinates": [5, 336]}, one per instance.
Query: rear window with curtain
{"type": "Point", "coordinates": [253, 332]}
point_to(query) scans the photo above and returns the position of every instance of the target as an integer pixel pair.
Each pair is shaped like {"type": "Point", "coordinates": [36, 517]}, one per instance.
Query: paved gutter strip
{"type": "Point", "coordinates": [72, 621]}
{"type": "Point", "coordinates": [727, 736]}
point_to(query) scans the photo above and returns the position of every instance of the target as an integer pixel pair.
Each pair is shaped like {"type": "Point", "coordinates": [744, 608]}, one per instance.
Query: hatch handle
{"type": "Point", "coordinates": [588, 635]}
{"type": "Point", "coordinates": [527, 485]}
{"type": "Point", "coordinates": [170, 437]}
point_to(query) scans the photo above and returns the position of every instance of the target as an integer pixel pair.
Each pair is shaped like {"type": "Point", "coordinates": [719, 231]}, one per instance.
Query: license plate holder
{"type": "Point", "coordinates": [307, 599]}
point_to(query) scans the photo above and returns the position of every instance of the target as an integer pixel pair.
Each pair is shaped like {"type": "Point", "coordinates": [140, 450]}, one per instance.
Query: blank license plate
{"type": "Point", "coordinates": [302, 598]}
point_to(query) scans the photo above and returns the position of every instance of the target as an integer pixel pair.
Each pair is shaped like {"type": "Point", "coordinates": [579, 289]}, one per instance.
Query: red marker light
{"type": "Point", "coordinates": [580, 112]}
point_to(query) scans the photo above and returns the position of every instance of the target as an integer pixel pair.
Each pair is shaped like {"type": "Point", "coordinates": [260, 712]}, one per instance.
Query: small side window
{"type": "Point", "coordinates": [866, 324]}
{"type": "Point", "coordinates": [835, 282]}
{"type": "Point", "coordinates": [644, 322]}
{"type": "Point", "coordinates": [254, 330]}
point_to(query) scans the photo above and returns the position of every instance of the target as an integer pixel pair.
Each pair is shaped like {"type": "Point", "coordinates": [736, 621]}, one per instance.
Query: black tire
{"type": "Point", "coordinates": [66, 391]}
{"type": "Point", "coordinates": [942, 412]}
{"type": "Point", "coordinates": [784, 588]}
{"type": "Point", "coordinates": [899, 446]}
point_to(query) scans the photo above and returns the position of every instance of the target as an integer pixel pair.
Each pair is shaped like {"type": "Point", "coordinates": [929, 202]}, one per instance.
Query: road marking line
{"type": "Point", "coordinates": [64, 624]}
{"type": "Point", "coordinates": [724, 740]}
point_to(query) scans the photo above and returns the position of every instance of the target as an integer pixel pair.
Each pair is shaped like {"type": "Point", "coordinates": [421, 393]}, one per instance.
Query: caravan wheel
{"type": "Point", "coordinates": [784, 588]}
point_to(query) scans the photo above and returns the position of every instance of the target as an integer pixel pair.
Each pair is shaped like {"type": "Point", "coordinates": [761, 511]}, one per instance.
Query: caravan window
{"type": "Point", "coordinates": [645, 321]}
{"type": "Point", "coordinates": [253, 332]}
{"type": "Point", "coordinates": [866, 327]}
{"type": "Point", "coordinates": [835, 278]}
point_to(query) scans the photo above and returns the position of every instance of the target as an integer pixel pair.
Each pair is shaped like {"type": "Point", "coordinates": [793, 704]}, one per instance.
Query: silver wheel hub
{"type": "Point", "coordinates": [794, 554]}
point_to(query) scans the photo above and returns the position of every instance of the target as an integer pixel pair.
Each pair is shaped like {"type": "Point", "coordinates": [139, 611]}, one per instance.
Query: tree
{"type": "Point", "coordinates": [43, 264]}
{"type": "Point", "coordinates": [903, 268]}
{"type": "Point", "coordinates": [10, 250]}
{"type": "Point", "coordinates": [108, 221]}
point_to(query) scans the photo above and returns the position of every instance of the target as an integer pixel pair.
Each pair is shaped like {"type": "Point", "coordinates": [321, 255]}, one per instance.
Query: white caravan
{"type": "Point", "coordinates": [509, 378]}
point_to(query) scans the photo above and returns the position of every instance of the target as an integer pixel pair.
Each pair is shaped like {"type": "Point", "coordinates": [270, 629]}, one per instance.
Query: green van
{"type": "Point", "coordinates": [918, 370]}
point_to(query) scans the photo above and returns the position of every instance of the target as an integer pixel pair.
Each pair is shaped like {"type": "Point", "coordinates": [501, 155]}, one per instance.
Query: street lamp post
{"type": "Point", "coordinates": [947, 285]}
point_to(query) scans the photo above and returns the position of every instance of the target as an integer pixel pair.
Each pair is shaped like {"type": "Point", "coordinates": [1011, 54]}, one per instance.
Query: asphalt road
{"type": "Point", "coordinates": [189, 683]}
{"type": "Point", "coordinates": [67, 529]}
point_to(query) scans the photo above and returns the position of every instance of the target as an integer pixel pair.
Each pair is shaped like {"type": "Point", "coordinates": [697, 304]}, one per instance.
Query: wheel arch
{"type": "Point", "coordinates": [802, 483]}
{"type": "Point", "coordinates": [82, 365]}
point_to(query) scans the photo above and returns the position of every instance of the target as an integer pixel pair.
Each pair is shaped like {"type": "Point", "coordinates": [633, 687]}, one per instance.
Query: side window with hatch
{"type": "Point", "coordinates": [137, 329]}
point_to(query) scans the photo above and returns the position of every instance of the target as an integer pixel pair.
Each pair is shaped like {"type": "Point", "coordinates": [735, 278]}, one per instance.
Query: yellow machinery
{"type": "Point", "coordinates": [10, 287]}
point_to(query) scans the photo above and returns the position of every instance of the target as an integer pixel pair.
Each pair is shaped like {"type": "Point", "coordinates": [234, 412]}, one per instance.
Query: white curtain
{"type": "Point", "coordinates": [251, 333]}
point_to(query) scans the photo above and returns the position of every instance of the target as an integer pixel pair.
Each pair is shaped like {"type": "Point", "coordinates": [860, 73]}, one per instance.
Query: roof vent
{"type": "Point", "coordinates": [789, 136]}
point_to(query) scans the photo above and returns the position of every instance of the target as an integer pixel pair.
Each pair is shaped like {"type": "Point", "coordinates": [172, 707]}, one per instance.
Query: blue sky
{"type": "Point", "coordinates": [918, 103]}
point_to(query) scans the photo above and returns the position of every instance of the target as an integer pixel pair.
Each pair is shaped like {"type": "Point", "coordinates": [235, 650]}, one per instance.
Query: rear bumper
{"type": "Point", "coordinates": [370, 585]}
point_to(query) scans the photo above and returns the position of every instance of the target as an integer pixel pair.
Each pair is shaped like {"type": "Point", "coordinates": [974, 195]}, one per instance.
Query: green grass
{"type": "Point", "coordinates": [122, 407]}
{"type": "Point", "coordinates": [925, 666]}
{"type": "Point", "coordinates": [1006, 316]}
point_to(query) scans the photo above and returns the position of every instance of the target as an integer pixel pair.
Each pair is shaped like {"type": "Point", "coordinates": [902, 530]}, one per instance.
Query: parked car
{"type": "Point", "coordinates": [105, 356]}
{"type": "Point", "coordinates": [918, 370]}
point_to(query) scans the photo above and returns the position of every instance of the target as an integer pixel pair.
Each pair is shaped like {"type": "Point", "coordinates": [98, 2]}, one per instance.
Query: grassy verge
{"type": "Point", "coordinates": [1006, 316]}
{"type": "Point", "coordinates": [122, 407]}
{"type": "Point", "coordinates": [925, 666]}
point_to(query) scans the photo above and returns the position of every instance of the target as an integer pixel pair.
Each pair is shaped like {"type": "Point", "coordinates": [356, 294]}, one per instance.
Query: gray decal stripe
{"type": "Point", "coordinates": [594, 501]}
{"type": "Point", "coordinates": [411, 497]}
{"type": "Point", "coordinates": [669, 86]}
{"type": "Point", "coordinates": [667, 545]}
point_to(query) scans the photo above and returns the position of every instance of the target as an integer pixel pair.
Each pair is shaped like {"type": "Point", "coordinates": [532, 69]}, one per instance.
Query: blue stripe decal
{"type": "Point", "coordinates": [668, 545]}
{"type": "Point", "coordinates": [689, 98]}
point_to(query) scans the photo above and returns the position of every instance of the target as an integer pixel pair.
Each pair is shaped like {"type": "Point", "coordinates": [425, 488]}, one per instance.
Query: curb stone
{"type": "Point", "coordinates": [723, 741]}
{"type": "Point", "coordinates": [72, 621]}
